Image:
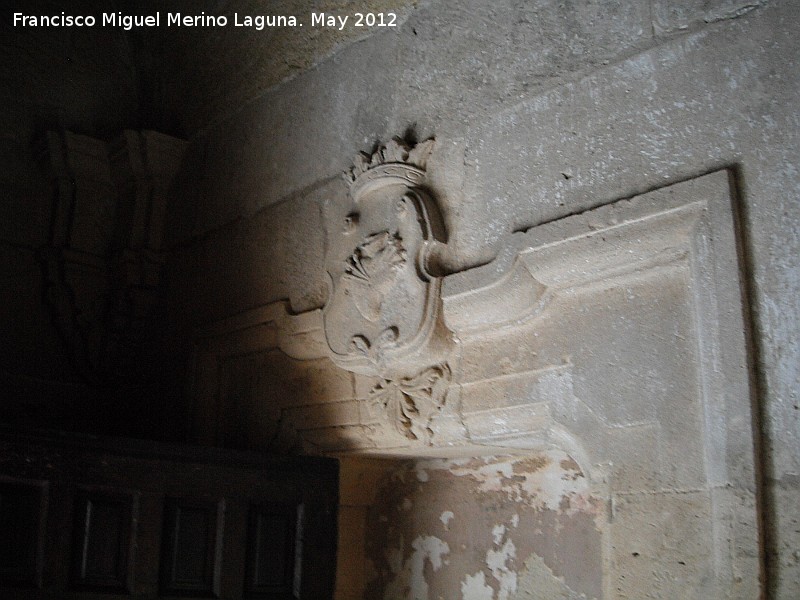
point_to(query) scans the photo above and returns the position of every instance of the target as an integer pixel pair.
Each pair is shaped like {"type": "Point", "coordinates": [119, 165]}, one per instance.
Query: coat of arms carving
{"type": "Point", "coordinates": [383, 316]}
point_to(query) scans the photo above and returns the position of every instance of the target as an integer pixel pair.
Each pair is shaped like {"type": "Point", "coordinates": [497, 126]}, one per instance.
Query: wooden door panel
{"type": "Point", "coordinates": [110, 519]}
{"type": "Point", "coordinates": [191, 551]}
{"type": "Point", "coordinates": [23, 510]}
{"type": "Point", "coordinates": [274, 534]}
{"type": "Point", "coordinates": [104, 538]}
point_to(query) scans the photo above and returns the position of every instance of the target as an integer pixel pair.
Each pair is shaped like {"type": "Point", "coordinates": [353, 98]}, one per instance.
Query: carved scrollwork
{"type": "Point", "coordinates": [375, 351]}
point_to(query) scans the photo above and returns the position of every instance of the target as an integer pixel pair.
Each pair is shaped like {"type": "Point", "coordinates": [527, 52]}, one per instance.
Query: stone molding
{"type": "Point", "coordinates": [620, 239]}
{"type": "Point", "coordinates": [102, 265]}
{"type": "Point", "coordinates": [531, 266]}
{"type": "Point", "coordinates": [509, 385]}
{"type": "Point", "coordinates": [263, 329]}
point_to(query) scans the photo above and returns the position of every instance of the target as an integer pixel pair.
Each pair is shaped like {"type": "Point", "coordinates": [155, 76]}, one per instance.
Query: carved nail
{"type": "Point", "coordinates": [359, 344]}
{"type": "Point", "coordinates": [350, 223]}
{"type": "Point", "coordinates": [389, 335]}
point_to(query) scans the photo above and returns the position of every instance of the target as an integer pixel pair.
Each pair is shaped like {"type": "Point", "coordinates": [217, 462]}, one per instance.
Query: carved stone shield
{"type": "Point", "coordinates": [382, 313]}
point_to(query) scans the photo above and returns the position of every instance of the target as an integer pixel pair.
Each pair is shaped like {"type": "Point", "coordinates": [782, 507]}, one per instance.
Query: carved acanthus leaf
{"type": "Point", "coordinates": [411, 403]}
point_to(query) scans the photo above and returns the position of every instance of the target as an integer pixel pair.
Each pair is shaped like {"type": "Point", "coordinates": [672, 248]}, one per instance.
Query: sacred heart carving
{"type": "Point", "coordinates": [373, 269]}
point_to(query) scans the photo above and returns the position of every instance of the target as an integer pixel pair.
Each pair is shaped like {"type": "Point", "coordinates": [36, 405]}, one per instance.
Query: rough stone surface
{"type": "Point", "coordinates": [651, 341]}
{"type": "Point", "coordinates": [210, 75]}
{"type": "Point", "coordinates": [474, 526]}
{"type": "Point", "coordinates": [582, 117]}
{"type": "Point", "coordinates": [648, 389]}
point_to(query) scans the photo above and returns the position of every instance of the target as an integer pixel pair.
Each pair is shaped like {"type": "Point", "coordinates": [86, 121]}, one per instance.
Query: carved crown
{"type": "Point", "coordinates": [390, 163]}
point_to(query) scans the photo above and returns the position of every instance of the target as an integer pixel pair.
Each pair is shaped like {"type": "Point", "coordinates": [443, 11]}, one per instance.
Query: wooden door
{"type": "Point", "coordinates": [109, 519]}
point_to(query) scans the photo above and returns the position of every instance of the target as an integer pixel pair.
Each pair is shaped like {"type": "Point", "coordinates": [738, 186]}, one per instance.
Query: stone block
{"type": "Point", "coordinates": [662, 544]}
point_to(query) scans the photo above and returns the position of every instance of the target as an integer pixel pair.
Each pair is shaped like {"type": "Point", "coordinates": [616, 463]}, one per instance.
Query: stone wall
{"type": "Point", "coordinates": [487, 528]}
{"type": "Point", "coordinates": [633, 343]}
{"type": "Point", "coordinates": [71, 166]}
{"type": "Point", "coordinates": [611, 294]}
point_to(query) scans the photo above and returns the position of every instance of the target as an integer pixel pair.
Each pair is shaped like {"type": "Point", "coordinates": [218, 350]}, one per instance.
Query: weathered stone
{"type": "Point", "coordinates": [624, 172]}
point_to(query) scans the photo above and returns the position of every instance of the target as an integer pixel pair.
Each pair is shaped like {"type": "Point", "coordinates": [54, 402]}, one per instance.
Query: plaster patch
{"type": "Point", "coordinates": [410, 584]}
{"type": "Point", "coordinates": [497, 533]}
{"type": "Point", "coordinates": [543, 481]}
{"type": "Point", "coordinates": [490, 476]}
{"type": "Point", "coordinates": [432, 548]}
{"type": "Point", "coordinates": [474, 588]}
{"type": "Point", "coordinates": [425, 547]}
{"type": "Point", "coordinates": [446, 517]}
{"type": "Point", "coordinates": [498, 562]}
{"type": "Point", "coordinates": [537, 582]}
